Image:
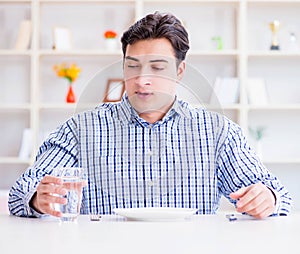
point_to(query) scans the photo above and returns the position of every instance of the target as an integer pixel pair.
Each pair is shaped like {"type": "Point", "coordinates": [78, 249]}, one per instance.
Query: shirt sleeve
{"type": "Point", "coordinates": [58, 150]}
{"type": "Point", "coordinates": [238, 166]}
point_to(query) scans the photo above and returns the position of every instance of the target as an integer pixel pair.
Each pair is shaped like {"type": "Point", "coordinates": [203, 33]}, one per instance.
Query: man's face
{"type": "Point", "coordinates": [151, 75]}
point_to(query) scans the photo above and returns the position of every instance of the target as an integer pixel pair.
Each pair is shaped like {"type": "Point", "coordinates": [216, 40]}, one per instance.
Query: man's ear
{"type": "Point", "coordinates": [180, 70]}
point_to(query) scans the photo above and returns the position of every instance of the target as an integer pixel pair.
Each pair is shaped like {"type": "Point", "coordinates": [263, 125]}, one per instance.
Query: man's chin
{"type": "Point", "coordinates": [143, 108]}
{"type": "Point", "coordinates": [151, 105]}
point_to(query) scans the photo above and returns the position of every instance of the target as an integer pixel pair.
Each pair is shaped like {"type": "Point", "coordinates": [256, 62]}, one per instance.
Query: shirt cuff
{"type": "Point", "coordinates": [30, 212]}
{"type": "Point", "coordinates": [277, 202]}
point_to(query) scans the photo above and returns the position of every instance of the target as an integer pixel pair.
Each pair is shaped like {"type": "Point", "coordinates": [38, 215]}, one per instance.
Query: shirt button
{"type": "Point", "coordinates": [150, 153]}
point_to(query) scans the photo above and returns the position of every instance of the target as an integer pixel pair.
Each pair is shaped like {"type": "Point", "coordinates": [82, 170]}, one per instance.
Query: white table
{"type": "Point", "coordinates": [200, 234]}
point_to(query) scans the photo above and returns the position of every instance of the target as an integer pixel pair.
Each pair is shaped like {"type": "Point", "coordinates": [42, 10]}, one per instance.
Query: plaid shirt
{"type": "Point", "coordinates": [188, 159]}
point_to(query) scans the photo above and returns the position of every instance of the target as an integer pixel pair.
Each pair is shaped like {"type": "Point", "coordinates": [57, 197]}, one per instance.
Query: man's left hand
{"type": "Point", "coordinates": [256, 200]}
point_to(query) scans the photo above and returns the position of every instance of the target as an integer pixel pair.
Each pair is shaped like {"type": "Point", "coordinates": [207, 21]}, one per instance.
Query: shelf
{"type": "Point", "coordinates": [273, 1]}
{"type": "Point", "coordinates": [15, 106]}
{"type": "Point", "coordinates": [273, 54]}
{"type": "Point", "coordinates": [13, 160]}
{"type": "Point", "coordinates": [13, 52]}
{"type": "Point", "coordinates": [195, 1]}
{"type": "Point", "coordinates": [46, 106]}
{"type": "Point", "coordinates": [86, 1]}
{"type": "Point", "coordinates": [213, 53]}
{"type": "Point", "coordinates": [282, 161]}
{"type": "Point", "coordinates": [79, 53]}
{"type": "Point", "coordinates": [57, 106]}
{"type": "Point", "coordinates": [14, 1]}
{"type": "Point", "coordinates": [275, 107]}
{"type": "Point", "coordinates": [225, 107]}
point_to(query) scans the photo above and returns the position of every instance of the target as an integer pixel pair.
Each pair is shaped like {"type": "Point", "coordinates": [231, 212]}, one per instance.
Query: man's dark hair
{"type": "Point", "coordinates": [156, 26]}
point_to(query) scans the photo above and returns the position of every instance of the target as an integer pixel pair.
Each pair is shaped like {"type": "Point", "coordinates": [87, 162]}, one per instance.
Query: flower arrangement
{"type": "Point", "coordinates": [71, 73]}
{"type": "Point", "coordinates": [110, 34]}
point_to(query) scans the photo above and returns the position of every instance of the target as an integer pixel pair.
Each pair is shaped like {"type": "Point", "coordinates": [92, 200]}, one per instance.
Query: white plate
{"type": "Point", "coordinates": [155, 213]}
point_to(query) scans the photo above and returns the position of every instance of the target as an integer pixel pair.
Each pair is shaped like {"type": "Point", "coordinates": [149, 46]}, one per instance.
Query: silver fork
{"type": "Point", "coordinates": [95, 217]}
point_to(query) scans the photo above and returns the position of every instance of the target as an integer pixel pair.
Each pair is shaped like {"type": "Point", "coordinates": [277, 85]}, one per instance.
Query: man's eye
{"type": "Point", "coordinates": [133, 66]}
{"type": "Point", "coordinates": [158, 68]}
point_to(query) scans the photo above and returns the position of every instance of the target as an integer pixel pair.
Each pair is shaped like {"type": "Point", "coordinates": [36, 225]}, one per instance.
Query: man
{"type": "Point", "coordinates": [151, 149]}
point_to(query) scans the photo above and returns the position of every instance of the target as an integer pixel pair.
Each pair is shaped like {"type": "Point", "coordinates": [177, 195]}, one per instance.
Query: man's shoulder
{"type": "Point", "coordinates": [200, 112]}
{"type": "Point", "coordinates": [106, 112]}
{"type": "Point", "coordinates": [101, 110]}
{"type": "Point", "coordinates": [216, 122]}
{"type": "Point", "coordinates": [215, 118]}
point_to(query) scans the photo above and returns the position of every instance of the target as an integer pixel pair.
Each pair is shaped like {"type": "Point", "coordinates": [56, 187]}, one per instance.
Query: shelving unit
{"type": "Point", "coordinates": [33, 97]}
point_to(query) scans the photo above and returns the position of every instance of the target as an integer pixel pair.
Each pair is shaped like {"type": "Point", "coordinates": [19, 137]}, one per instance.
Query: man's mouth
{"type": "Point", "coordinates": [143, 95]}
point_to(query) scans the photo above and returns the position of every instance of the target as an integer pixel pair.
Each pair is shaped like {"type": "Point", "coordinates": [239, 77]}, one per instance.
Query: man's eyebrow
{"type": "Point", "coordinates": [151, 61]}
{"type": "Point", "coordinates": [158, 60]}
{"type": "Point", "coordinates": [132, 58]}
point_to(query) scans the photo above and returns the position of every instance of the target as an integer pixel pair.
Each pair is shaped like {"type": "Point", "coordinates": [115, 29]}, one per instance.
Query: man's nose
{"type": "Point", "coordinates": [143, 80]}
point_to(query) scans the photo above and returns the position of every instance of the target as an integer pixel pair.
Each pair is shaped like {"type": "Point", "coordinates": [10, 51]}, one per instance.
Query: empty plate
{"type": "Point", "coordinates": [155, 213]}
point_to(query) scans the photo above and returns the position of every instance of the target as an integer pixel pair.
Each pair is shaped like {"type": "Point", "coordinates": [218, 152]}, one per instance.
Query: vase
{"type": "Point", "coordinates": [111, 44]}
{"type": "Point", "coordinates": [70, 95]}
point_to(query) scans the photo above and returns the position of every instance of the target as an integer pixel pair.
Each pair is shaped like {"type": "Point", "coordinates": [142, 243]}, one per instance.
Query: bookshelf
{"type": "Point", "coordinates": [33, 97]}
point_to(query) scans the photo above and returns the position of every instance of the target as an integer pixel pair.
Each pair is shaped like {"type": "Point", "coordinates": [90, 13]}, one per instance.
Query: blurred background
{"type": "Point", "coordinates": [247, 51]}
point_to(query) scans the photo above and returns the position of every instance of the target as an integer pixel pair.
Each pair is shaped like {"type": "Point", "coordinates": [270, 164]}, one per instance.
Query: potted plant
{"type": "Point", "coordinates": [111, 42]}
{"type": "Point", "coordinates": [258, 134]}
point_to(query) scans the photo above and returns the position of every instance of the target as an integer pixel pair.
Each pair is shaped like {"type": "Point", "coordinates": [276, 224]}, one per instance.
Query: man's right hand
{"type": "Point", "coordinates": [49, 191]}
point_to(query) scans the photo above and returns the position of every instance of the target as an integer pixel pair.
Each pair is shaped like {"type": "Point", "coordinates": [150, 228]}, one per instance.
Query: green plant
{"type": "Point", "coordinates": [257, 133]}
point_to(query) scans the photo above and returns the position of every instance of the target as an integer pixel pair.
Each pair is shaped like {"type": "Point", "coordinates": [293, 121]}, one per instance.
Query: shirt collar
{"type": "Point", "coordinates": [128, 114]}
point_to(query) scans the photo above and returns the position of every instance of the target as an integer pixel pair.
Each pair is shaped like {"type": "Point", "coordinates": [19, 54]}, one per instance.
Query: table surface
{"type": "Point", "coordinates": [114, 234]}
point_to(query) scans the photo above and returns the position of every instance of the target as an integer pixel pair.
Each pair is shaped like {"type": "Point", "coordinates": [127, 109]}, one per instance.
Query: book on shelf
{"type": "Point", "coordinates": [24, 35]}
{"type": "Point", "coordinates": [225, 91]}
{"type": "Point", "coordinates": [62, 38]}
{"type": "Point", "coordinates": [257, 92]}
{"type": "Point", "coordinates": [26, 144]}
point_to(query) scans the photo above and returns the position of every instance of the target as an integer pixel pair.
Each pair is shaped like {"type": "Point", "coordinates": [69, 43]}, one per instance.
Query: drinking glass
{"type": "Point", "coordinates": [73, 182]}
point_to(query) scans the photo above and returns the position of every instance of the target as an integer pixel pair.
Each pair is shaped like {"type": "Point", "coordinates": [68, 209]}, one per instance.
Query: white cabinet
{"type": "Point", "coordinates": [33, 97]}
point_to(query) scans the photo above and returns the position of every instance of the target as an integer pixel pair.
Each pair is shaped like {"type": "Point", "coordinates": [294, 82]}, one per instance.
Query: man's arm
{"type": "Point", "coordinates": [246, 181]}
{"type": "Point", "coordinates": [59, 150]}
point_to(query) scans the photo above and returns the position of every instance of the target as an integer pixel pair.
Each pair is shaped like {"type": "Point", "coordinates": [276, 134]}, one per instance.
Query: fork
{"type": "Point", "coordinates": [95, 217]}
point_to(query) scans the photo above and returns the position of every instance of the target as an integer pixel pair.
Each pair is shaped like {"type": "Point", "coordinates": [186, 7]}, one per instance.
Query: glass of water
{"type": "Point", "coordinates": [73, 182]}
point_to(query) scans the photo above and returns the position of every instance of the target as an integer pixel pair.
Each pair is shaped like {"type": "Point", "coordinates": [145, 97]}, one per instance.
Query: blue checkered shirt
{"type": "Point", "coordinates": [187, 159]}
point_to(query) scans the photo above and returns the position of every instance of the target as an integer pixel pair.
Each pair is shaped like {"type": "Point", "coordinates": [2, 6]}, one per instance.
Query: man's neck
{"type": "Point", "coordinates": [155, 115]}
{"type": "Point", "coordinates": [152, 117]}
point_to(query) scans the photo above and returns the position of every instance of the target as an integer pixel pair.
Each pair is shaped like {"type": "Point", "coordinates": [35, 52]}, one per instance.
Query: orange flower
{"type": "Point", "coordinates": [69, 72]}
{"type": "Point", "coordinates": [109, 34]}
